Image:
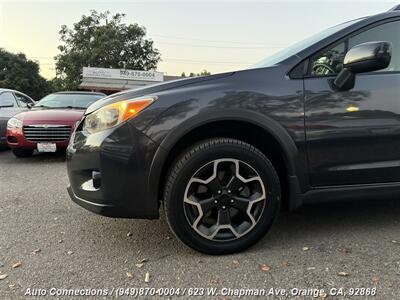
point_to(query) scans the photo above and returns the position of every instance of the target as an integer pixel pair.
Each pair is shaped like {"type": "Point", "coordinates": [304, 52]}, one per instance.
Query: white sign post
{"type": "Point", "coordinates": [122, 74]}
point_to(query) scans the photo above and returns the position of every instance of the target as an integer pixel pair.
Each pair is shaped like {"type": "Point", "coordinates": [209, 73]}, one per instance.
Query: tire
{"type": "Point", "coordinates": [185, 188]}
{"type": "Point", "coordinates": [20, 153]}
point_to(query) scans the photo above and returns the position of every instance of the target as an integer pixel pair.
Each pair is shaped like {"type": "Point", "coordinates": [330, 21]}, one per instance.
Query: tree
{"type": "Point", "coordinates": [21, 74]}
{"type": "Point", "coordinates": [202, 73]}
{"type": "Point", "coordinates": [101, 40]}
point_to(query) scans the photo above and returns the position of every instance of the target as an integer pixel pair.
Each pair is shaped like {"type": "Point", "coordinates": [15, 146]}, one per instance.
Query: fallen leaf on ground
{"type": "Point", "coordinates": [143, 260]}
{"type": "Point", "coordinates": [11, 286]}
{"type": "Point", "coordinates": [3, 276]}
{"type": "Point", "coordinates": [265, 268]}
{"type": "Point", "coordinates": [147, 277]}
{"type": "Point", "coordinates": [236, 262]}
{"type": "Point", "coordinates": [16, 265]}
{"type": "Point", "coordinates": [375, 279]}
{"type": "Point", "coordinates": [285, 263]}
{"type": "Point", "coordinates": [168, 238]}
{"type": "Point", "coordinates": [344, 274]}
{"type": "Point", "coordinates": [345, 250]}
{"type": "Point", "coordinates": [394, 242]}
{"type": "Point", "coordinates": [36, 251]}
{"type": "Point", "coordinates": [70, 252]}
{"type": "Point", "coordinates": [310, 268]}
{"type": "Point", "coordinates": [140, 265]}
{"type": "Point", "coordinates": [129, 274]}
{"type": "Point", "coordinates": [306, 248]}
{"type": "Point", "coordinates": [323, 295]}
{"type": "Point", "coordinates": [129, 234]}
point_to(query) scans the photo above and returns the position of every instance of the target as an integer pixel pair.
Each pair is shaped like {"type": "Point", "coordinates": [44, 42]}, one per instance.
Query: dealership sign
{"type": "Point", "coordinates": [122, 74]}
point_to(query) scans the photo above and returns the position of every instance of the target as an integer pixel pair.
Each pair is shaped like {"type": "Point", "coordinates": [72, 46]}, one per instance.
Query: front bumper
{"type": "Point", "coordinates": [15, 139]}
{"type": "Point", "coordinates": [123, 157]}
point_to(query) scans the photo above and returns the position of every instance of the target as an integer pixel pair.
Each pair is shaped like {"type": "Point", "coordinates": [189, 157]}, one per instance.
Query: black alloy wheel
{"type": "Point", "coordinates": [222, 195]}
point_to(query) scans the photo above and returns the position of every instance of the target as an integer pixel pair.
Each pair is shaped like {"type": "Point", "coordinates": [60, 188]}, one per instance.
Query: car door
{"type": "Point", "coordinates": [8, 108]}
{"type": "Point", "coordinates": [353, 137]}
{"type": "Point", "coordinates": [24, 102]}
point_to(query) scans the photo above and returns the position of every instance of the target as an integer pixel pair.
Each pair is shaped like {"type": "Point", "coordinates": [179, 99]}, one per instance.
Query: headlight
{"type": "Point", "coordinates": [14, 123]}
{"type": "Point", "coordinates": [113, 114]}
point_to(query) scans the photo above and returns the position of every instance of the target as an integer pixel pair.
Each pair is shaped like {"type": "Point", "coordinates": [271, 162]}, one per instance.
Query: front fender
{"type": "Point", "coordinates": [290, 149]}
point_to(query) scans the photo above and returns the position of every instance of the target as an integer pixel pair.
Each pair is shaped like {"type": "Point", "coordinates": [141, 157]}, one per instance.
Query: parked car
{"type": "Point", "coordinates": [48, 125]}
{"type": "Point", "coordinates": [11, 103]}
{"type": "Point", "coordinates": [318, 121]}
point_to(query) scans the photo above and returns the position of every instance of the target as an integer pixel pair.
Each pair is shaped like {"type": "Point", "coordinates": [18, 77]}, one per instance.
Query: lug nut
{"type": "Point", "coordinates": [219, 191]}
{"type": "Point", "coordinates": [216, 201]}
{"type": "Point", "coordinates": [232, 200]}
{"type": "Point", "coordinates": [223, 207]}
{"type": "Point", "coordinates": [229, 191]}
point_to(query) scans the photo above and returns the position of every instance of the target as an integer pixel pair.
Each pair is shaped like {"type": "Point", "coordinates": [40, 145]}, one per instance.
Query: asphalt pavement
{"type": "Point", "coordinates": [50, 245]}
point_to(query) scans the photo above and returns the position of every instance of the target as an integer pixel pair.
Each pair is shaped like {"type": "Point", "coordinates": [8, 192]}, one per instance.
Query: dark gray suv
{"type": "Point", "coordinates": [317, 121]}
{"type": "Point", "coordinates": [11, 103]}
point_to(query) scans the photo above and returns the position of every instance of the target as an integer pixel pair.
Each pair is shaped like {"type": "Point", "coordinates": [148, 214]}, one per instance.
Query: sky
{"type": "Point", "coordinates": [191, 35]}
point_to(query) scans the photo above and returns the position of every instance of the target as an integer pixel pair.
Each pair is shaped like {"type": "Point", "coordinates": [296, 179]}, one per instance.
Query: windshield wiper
{"type": "Point", "coordinates": [71, 107]}
{"type": "Point", "coordinates": [41, 105]}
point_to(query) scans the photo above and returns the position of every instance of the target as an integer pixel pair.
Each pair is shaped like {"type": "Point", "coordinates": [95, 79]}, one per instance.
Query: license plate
{"type": "Point", "coordinates": [46, 147]}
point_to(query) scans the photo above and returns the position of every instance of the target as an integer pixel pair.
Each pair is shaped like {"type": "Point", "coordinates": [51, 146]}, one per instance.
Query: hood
{"type": "Point", "coordinates": [53, 116]}
{"type": "Point", "coordinates": [152, 90]}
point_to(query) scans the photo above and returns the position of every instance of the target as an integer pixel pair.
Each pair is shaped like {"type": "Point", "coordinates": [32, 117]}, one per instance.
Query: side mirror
{"type": "Point", "coordinates": [366, 57]}
{"type": "Point", "coordinates": [29, 105]}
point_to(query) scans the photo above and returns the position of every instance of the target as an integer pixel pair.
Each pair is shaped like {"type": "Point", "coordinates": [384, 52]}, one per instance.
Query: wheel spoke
{"type": "Point", "coordinates": [224, 217]}
{"type": "Point", "coordinates": [241, 203]}
{"type": "Point", "coordinates": [214, 186]}
{"type": "Point", "coordinates": [206, 204]}
{"type": "Point", "coordinates": [234, 183]}
{"type": "Point", "coordinates": [257, 197]}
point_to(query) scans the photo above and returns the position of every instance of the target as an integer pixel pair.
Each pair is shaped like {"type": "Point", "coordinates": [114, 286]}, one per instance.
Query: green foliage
{"type": "Point", "coordinates": [101, 40]}
{"type": "Point", "coordinates": [202, 73]}
{"type": "Point", "coordinates": [21, 74]}
{"type": "Point", "coordinates": [58, 84]}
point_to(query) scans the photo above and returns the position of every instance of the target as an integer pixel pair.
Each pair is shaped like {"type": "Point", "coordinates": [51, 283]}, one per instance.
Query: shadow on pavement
{"type": "Point", "coordinates": [334, 221]}
{"type": "Point", "coordinates": [312, 224]}
{"type": "Point", "coordinates": [37, 157]}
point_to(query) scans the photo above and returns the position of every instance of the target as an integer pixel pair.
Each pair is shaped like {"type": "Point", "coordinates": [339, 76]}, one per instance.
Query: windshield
{"type": "Point", "coordinates": [68, 100]}
{"type": "Point", "coordinates": [298, 47]}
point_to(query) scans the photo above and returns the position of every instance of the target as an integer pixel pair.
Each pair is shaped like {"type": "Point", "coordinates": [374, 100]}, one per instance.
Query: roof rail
{"type": "Point", "coordinates": [396, 8]}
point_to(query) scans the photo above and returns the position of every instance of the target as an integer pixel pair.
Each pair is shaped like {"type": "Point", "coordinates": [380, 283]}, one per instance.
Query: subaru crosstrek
{"type": "Point", "coordinates": [318, 121]}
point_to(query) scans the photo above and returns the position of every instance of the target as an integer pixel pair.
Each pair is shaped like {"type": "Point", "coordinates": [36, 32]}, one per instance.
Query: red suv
{"type": "Point", "coordinates": [48, 125]}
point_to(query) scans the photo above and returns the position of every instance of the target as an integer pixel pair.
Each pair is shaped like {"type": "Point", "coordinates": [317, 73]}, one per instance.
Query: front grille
{"type": "Point", "coordinates": [47, 133]}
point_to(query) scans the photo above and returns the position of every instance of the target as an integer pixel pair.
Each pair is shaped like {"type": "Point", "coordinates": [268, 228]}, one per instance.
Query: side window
{"type": "Point", "coordinates": [389, 32]}
{"type": "Point", "coordinates": [22, 100]}
{"type": "Point", "coordinates": [7, 99]}
{"type": "Point", "coordinates": [330, 61]}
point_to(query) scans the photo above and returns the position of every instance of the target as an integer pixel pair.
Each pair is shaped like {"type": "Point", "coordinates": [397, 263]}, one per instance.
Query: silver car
{"type": "Point", "coordinates": [11, 103]}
